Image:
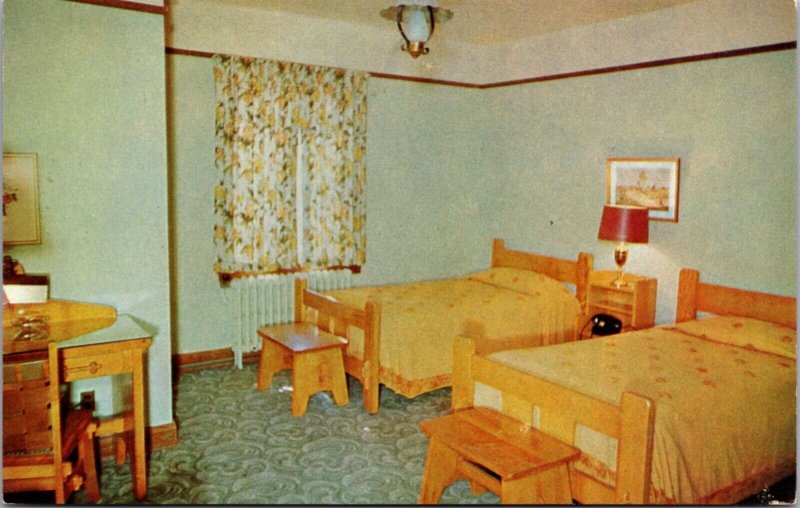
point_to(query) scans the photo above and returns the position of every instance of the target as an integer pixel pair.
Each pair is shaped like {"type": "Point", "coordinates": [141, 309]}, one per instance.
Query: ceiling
{"type": "Point", "coordinates": [481, 22]}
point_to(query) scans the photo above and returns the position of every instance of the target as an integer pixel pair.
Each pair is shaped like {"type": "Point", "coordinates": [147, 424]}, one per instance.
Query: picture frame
{"type": "Point", "coordinates": [649, 182]}
{"type": "Point", "coordinates": [20, 199]}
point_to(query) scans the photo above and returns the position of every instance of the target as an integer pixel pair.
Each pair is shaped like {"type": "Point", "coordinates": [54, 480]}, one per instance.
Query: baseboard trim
{"type": "Point", "coordinates": [158, 437]}
{"type": "Point", "coordinates": [199, 360]}
{"type": "Point", "coordinates": [188, 362]}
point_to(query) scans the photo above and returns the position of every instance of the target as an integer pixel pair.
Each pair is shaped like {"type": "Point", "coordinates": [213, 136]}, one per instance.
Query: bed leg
{"type": "Point", "coordinates": [463, 389]}
{"type": "Point", "coordinates": [635, 452]}
{"type": "Point", "coordinates": [371, 368]}
{"type": "Point", "coordinates": [371, 389]}
{"type": "Point", "coordinates": [299, 309]}
{"type": "Point", "coordinates": [687, 295]}
{"type": "Point", "coordinates": [585, 265]}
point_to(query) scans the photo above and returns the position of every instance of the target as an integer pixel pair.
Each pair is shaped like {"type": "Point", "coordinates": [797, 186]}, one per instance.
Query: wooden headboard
{"type": "Point", "coordinates": [564, 270]}
{"type": "Point", "coordinates": [695, 296]}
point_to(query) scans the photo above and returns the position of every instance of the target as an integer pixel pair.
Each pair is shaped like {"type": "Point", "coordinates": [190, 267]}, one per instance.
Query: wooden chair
{"type": "Point", "coordinates": [43, 447]}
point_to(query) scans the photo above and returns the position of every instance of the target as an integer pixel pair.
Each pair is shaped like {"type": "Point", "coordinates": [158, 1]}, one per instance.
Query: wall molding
{"type": "Point", "coordinates": [126, 4]}
{"type": "Point", "coordinates": [188, 52]}
{"type": "Point", "coordinates": [783, 46]}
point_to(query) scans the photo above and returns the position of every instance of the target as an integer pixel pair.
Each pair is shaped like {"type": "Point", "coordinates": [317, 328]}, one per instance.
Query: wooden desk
{"type": "Point", "coordinates": [115, 346]}
{"type": "Point", "coordinates": [117, 349]}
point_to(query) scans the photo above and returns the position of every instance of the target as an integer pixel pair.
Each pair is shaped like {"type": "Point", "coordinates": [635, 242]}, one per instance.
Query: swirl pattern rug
{"type": "Point", "coordinates": [240, 446]}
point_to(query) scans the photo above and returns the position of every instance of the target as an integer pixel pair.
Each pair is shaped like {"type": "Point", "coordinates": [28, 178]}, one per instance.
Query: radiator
{"type": "Point", "coordinates": [264, 300]}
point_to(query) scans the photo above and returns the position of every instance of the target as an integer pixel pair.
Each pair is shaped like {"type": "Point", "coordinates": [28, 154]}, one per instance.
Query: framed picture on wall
{"type": "Point", "coordinates": [20, 199]}
{"type": "Point", "coordinates": [649, 182]}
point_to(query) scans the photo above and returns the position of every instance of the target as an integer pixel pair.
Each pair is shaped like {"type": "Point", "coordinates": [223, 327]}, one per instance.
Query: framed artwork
{"type": "Point", "coordinates": [652, 183]}
{"type": "Point", "coordinates": [20, 199]}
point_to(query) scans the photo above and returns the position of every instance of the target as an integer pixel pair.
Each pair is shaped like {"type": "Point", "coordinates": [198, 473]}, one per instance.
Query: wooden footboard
{"type": "Point", "coordinates": [336, 318]}
{"type": "Point", "coordinates": [562, 410]}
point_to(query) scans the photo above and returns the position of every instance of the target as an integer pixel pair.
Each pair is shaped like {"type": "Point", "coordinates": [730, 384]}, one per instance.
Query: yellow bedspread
{"type": "Point", "coordinates": [724, 413]}
{"type": "Point", "coordinates": [419, 320]}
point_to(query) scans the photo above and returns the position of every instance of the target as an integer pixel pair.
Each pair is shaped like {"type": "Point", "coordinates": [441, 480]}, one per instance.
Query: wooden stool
{"type": "Point", "coordinates": [314, 356]}
{"type": "Point", "coordinates": [495, 452]}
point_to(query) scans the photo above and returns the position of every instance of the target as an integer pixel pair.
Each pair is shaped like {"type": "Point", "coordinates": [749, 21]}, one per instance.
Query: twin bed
{"type": "Point", "coordinates": [401, 336]}
{"type": "Point", "coordinates": [699, 411]}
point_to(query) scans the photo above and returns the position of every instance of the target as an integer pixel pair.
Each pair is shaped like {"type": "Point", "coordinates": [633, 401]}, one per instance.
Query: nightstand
{"type": "Point", "coordinates": [634, 304]}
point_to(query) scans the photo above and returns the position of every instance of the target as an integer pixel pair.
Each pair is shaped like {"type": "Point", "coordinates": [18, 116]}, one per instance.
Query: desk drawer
{"type": "Point", "coordinates": [95, 365]}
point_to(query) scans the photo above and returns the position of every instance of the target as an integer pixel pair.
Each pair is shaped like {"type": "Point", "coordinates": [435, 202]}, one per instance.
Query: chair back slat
{"type": "Point", "coordinates": [26, 405]}
{"type": "Point", "coordinates": [36, 456]}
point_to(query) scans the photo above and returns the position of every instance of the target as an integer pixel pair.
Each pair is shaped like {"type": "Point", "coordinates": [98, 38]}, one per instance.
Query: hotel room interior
{"type": "Point", "coordinates": [503, 128]}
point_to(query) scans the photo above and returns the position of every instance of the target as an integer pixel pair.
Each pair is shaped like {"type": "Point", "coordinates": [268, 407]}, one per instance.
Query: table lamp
{"type": "Point", "coordinates": [623, 224]}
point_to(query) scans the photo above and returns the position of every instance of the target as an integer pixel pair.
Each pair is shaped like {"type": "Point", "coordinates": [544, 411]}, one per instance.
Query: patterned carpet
{"type": "Point", "coordinates": [241, 446]}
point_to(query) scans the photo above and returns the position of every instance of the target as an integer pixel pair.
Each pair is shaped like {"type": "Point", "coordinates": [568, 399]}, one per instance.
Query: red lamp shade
{"type": "Point", "coordinates": [624, 224]}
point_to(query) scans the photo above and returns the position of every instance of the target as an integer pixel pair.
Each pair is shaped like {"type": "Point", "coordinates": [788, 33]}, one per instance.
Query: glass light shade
{"type": "Point", "coordinates": [418, 26]}
{"type": "Point", "coordinates": [416, 21]}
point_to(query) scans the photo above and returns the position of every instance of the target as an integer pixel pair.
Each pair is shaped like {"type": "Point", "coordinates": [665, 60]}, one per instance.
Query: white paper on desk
{"type": "Point", "coordinates": [25, 293]}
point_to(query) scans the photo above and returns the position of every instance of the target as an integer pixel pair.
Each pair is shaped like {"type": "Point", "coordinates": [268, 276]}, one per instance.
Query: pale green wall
{"type": "Point", "coordinates": [731, 121]}
{"type": "Point", "coordinates": [450, 168]}
{"type": "Point", "coordinates": [84, 89]}
{"type": "Point", "coordinates": [199, 322]}
{"type": "Point", "coordinates": [426, 159]}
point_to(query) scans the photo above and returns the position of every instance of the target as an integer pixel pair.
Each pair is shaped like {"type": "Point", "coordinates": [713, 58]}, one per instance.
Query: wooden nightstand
{"type": "Point", "coordinates": [634, 304]}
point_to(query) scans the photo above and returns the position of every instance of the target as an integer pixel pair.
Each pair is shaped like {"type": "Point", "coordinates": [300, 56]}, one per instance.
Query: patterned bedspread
{"type": "Point", "coordinates": [419, 320]}
{"type": "Point", "coordinates": [724, 390]}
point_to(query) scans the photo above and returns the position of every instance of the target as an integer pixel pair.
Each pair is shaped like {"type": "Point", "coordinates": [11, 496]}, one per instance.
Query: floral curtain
{"type": "Point", "coordinates": [291, 153]}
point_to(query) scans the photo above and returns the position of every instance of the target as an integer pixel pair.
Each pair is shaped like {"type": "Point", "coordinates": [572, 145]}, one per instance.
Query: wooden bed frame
{"type": "Point", "coordinates": [335, 317]}
{"type": "Point", "coordinates": [632, 421]}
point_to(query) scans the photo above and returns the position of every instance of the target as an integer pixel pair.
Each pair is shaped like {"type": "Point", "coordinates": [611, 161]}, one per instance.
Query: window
{"type": "Point", "coordinates": [290, 153]}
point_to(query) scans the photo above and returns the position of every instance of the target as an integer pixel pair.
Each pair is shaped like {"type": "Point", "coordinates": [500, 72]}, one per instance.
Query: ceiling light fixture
{"type": "Point", "coordinates": [419, 20]}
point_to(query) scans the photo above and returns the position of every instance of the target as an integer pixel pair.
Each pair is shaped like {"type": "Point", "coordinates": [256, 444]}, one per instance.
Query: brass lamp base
{"type": "Point", "coordinates": [416, 48]}
{"type": "Point", "coordinates": [620, 256]}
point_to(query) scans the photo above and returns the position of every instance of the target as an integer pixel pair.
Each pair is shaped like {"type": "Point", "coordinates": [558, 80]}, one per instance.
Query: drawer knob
{"type": "Point", "coordinates": [94, 367]}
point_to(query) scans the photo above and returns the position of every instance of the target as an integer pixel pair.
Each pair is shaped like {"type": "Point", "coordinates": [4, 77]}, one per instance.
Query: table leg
{"type": "Point", "coordinates": [86, 450]}
{"type": "Point", "coordinates": [338, 378]}
{"type": "Point", "coordinates": [271, 361]}
{"type": "Point", "coordinates": [138, 459]}
{"type": "Point", "coordinates": [120, 448]}
{"type": "Point", "coordinates": [305, 380]}
{"type": "Point", "coordinates": [440, 471]}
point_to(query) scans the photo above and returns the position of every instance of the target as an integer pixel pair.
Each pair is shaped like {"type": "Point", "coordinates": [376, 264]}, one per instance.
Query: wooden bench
{"type": "Point", "coordinates": [315, 357]}
{"type": "Point", "coordinates": [496, 453]}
